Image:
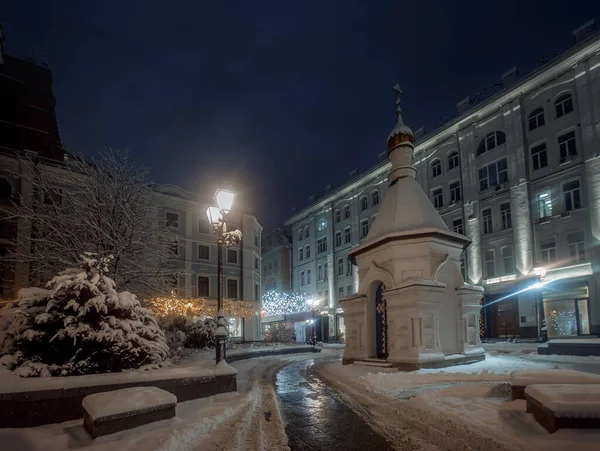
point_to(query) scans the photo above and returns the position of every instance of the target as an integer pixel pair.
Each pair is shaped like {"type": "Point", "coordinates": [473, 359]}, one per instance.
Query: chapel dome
{"type": "Point", "coordinates": [401, 133]}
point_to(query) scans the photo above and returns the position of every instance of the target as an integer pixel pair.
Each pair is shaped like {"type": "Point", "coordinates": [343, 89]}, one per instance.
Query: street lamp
{"type": "Point", "coordinates": [217, 219]}
{"type": "Point", "coordinates": [312, 303]}
{"type": "Point", "coordinates": [541, 274]}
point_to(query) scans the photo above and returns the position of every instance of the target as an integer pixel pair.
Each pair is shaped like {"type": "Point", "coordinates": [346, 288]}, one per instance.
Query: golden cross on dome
{"type": "Point", "coordinates": [398, 93]}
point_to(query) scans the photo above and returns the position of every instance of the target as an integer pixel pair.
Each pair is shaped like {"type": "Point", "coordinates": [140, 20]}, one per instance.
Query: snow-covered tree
{"type": "Point", "coordinates": [79, 325]}
{"type": "Point", "coordinates": [105, 205]}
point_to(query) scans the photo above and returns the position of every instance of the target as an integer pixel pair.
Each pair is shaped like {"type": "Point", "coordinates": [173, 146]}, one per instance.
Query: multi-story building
{"type": "Point", "coordinates": [276, 261]}
{"type": "Point", "coordinates": [196, 255]}
{"type": "Point", "coordinates": [518, 173]}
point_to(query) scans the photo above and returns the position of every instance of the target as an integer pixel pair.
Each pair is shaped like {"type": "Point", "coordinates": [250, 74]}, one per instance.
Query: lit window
{"type": "Point", "coordinates": [438, 198]}
{"type": "Point", "coordinates": [539, 156]}
{"type": "Point", "coordinates": [536, 119]}
{"type": "Point", "coordinates": [508, 260]}
{"type": "Point", "coordinates": [576, 246]}
{"type": "Point", "coordinates": [491, 141]}
{"type": "Point", "coordinates": [436, 168]}
{"type": "Point", "coordinates": [321, 226]}
{"type": "Point", "coordinates": [490, 266]}
{"type": "Point", "coordinates": [567, 146]}
{"type": "Point", "coordinates": [505, 215]}
{"type": "Point", "coordinates": [455, 194]}
{"type": "Point", "coordinates": [487, 221]}
{"type": "Point", "coordinates": [235, 327]}
{"type": "Point", "coordinates": [544, 201]}
{"type": "Point", "coordinates": [364, 203]}
{"type": "Point", "coordinates": [572, 195]}
{"type": "Point", "coordinates": [564, 105]}
{"type": "Point", "coordinates": [338, 238]}
{"type": "Point", "coordinates": [458, 227]}
{"type": "Point", "coordinates": [452, 160]}
{"type": "Point", "coordinates": [375, 197]}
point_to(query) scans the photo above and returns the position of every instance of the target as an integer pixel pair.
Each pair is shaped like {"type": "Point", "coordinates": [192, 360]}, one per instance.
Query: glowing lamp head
{"type": "Point", "coordinates": [224, 200]}
{"type": "Point", "coordinates": [214, 215]}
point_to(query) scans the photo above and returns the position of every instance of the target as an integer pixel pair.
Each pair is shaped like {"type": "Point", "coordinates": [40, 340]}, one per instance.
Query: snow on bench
{"type": "Point", "coordinates": [560, 406]}
{"type": "Point", "coordinates": [109, 412]}
{"type": "Point", "coordinates": [519, 379]}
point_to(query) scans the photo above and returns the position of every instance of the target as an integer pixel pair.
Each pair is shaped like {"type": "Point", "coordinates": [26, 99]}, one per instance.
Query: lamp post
{"type": "Point", "coordinates": [541, 274]}
{"type": "Point", "coordinates": [313, 305]}
{"type": "Point", "coordinates": [217, 219]}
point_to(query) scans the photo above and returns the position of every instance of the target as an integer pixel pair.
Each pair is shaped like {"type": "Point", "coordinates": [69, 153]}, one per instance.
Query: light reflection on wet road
{"type": "Point", "coordinates": [316, 419]}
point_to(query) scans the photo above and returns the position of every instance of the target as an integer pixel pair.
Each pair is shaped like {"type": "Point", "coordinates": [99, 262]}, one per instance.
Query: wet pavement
{"type": "Point", "coordinates": [316, 419]}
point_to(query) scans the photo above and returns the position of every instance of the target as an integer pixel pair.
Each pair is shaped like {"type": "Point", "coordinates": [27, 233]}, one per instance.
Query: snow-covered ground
{"type": "Point", "coordinates": [461, 407]}
{"type": "Point", "coordinates": [529, 351]}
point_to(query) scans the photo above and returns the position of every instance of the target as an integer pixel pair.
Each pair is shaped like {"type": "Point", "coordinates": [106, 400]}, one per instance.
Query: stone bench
{"type": "Point", "coordinates": [109, 412]}
{"type": "Point", "coordinates": [564, 406]}
{"type": "Point", "coordinates": [520, 379]}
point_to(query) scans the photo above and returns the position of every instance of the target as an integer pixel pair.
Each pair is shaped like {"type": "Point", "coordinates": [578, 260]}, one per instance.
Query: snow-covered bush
{"type": "Point", "coordinates": [79, 325]}
{"type": "Point", "coordinates": [280, 332]}
{"type": "Point", "coordinates": [201, 334]}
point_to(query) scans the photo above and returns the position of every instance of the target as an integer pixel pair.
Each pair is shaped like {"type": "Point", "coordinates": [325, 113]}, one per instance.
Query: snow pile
{"type": "Point", "coordinates": [552, 376]}
{"type": "Point", "coordinates": [568, 401]}
{"type": "Point", "coordinates": [114, 402]}
{"type": "Point", "coordinates": [79, 325]}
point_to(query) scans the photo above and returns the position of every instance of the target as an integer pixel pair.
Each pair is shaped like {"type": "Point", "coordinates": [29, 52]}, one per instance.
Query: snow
{"type": "Point", "coordinates": [111, 403]}
{"type": "Point", "coordinates": [576, 341]}
{"type": "Point", "coordinates": [552, 376]}
{"type": "Point", "coordinates": [568, 401]}
{"type": "Point", "coordinates": [529, 351]}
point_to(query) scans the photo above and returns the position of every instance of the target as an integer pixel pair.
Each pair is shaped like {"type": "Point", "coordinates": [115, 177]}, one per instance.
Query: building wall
{"type": "Point", "coordinates": [276, 259]}
{"type": "Point", "coordinates": [509, 291]}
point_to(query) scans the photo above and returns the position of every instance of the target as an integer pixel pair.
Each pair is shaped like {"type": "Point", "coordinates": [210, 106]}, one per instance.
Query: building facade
{"type": "Point", "coordinates": [518, 174]}
{"type": "Point", "coordinates": [195, 256]}
{"type": "Point", "coordinates": [276, 261]}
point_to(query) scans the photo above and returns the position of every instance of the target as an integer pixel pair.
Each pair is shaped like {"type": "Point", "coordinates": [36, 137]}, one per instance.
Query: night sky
{"type": "Point", "coordinates": [279, 98]}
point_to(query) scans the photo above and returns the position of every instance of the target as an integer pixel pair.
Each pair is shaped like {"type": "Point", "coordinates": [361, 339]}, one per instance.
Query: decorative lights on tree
{"type": "Point", "coordinates": [173, 306]}
{"type": "Point", "coordinates": [481, 320]}
{"type": "Point", "coordinates": [275, 303]}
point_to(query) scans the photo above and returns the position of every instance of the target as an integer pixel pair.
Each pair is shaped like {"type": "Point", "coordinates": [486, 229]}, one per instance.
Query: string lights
{"type": "Point", "coordinates": [276, 303]}
{"type": "Point", "coordinates": [200, 307]}
{"type": "Point", "coordinates": [481, 321]}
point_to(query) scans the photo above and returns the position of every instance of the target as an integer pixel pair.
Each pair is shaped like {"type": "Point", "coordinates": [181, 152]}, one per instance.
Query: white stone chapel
{"type": "Point", "coordinates": [413, 308]}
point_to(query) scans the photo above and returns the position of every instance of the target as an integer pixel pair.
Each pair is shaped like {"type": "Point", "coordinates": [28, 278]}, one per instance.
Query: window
{"type": "Point", "coordinates": [172, 220]}
{"type": "Point", "coordinates": [493, 174]}
{"type": "Point", "coordinates": [463, 266]}
{"type": "Point", "coordinates": [548, 249]}
{"type": "Point", "coordinates": [319, 272]}
{"type": "Point", "coordinates": [54, 197]}
{"type": "Point", "coordinates": [203, 287]}
{"type": "Point", "coordinates": [452, 160]}
{"type": "Point", "coordinates": [301, 254]}
{"type": "Point", "coordinates": [341, 292]}
{"type": "Point", "coordinates": [265, 269]}
{"type": "Point", "coordinates": [340, 265]}
{"type": "Point", "coordinates": [302, 281]}
{"type": "Point", "coordinates": [203, 252]}
{"type": "Point", "coordinates": [458, 227]}
{"type": "Point", "coordinates": [256, 239]}
{"type": "Point", "coordinates": [347, 235]}
{"type": "Point", "coordinates": [231, 256]}
{"type": "Point", "coordinates": [300, 234]}
{"type": "Point", "coordinates": [232, 288]}
{"type": "Point", "coordinates": [567, 146]}
{"type": "Point", "coordinates": [536, 118]}
{"type": "Point", "coordinates": [364, 228]}
{"type": "Point", "coordinates": [375, 198]}
{"type": "Point", "coordinates": [349, 290]}
{"type": "Point", "coordinates": [487, 220]}
{"type": "Point", "coordinates": [321, 226]}
{"type": "Point", "coordinates": [325, 273]}
{"type": "Point", "coordinates": [256, 292]}
{"type": "Point", "coordinates": [576, 246]}
{"type": "Point", "coordinates": [307, 251]}
{"type": "Point", "coordinates": [338, 216]}
{"type": "Point", "coordinates": [491, 141]}
{"type": "Point", "coordinates": [455, 194]}
{"type": "Point", "coordinates": [256, 263]}
{"type": "Point", "coordinates": [308, 276]}
{"type": "Point", "coordinates": [276, 267]}
{"type": "Point", "coordinates": [563, 105]}
{"type": "Point", "coordinates": [438, 197]}
{"type": "Point", "coordinates": [505, 215]}
{"type": "Point", "coordinates": [364, 203]}
{"type": "Point", "coordinates": [436, 168]}
{"type": "Point", "coordinates": [572, 195]}
{"type": "Point", "coordinates": [5, 191]}
{"type": "Point", "coordinates": [544, 201]}
{"type": "Point", "coordinates": [539, 155]}
{"type": "Point", "coordinates": [202, 226]}
{"type": "Point", "coordinates": [508, 260]}
{"type": "Point", "coordinates": [270, 269]}
{"type": "Point", "coordinates": [348, 267]}
{"type": "Point", "coordinates": [490, 267]}
{"type": "Point", "coordinates": [338, 238]}
{"type": "Point", "coordinates": [175, 247]}
{"type": "Point", "coordinates": [346, 211]}
{"type": "Point", "coordinates": [322, 245]}
{"type": "Point", "coordinates": [307, 231]}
